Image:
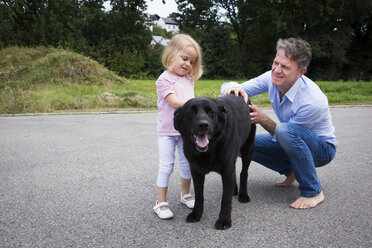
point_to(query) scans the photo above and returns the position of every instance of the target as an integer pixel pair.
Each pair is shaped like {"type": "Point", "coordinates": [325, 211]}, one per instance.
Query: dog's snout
{"type": "Point", "coordinates": [203, 125]}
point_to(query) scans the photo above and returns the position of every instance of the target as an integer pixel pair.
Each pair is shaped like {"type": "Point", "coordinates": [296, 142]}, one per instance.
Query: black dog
{"type": "Point", "coordinates": [214, 131]}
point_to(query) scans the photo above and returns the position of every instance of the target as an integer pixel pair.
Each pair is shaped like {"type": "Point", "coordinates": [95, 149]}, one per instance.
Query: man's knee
{"type": "Point", "coordinates": [285, 132]}
{"type": "Point", "coordinates": [282, 129]}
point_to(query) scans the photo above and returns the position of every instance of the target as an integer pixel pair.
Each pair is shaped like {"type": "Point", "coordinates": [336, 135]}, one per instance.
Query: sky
{"type": "Point", "coordinates": [162, 10]}
{"type": "Point", "coordinates": [156, 7]}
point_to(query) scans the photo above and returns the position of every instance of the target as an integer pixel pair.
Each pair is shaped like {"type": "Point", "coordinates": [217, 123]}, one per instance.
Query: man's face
{"type": "Point", "coordinates": [284, 71]}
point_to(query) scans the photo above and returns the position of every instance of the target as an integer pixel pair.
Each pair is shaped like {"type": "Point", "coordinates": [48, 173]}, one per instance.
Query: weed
{"type": "Point", "coordinates": [36, 80]}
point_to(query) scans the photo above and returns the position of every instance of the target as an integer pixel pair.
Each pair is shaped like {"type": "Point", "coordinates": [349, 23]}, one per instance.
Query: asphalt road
{"type": "Point", "coordinates": [89, 181]}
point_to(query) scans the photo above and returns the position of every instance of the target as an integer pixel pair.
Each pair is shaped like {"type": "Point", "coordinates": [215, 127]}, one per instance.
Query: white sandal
{"type": "Point", "coordinates": [163, 214]}
{"type": "Point", "coordinates": [189, 204]}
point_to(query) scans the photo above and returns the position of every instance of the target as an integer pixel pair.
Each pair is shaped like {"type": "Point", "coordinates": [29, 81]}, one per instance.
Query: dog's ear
{"type": "Point", "coordinates": [221, 114]}
{"type": "Point", "coordinates": [177, 119]}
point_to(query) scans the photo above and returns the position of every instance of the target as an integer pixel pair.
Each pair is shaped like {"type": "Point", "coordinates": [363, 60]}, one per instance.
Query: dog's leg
{"type": "Point", "coordinates": [198, 181]}
{"type": "Point", "coordinates": [243, 189]}
{"type": "Point", "coordinates": [236, 189]}
{"type": "Point", "coordinates": [247, 153]}
{"type": "Point", "coordinates": [236, 186]}
{"type": "Point", "coordinates": [229, 182]}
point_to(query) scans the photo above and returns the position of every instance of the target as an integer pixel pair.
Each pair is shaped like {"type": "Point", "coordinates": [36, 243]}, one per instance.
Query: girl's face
{"type": "Point", "coordinates": [184, 61]}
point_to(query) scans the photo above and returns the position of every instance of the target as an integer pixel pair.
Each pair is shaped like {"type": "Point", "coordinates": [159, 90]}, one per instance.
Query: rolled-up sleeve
{"type": "Point", "coordinates": [255, 86]}
{"type": "Point", "coordinates": [228, 85]}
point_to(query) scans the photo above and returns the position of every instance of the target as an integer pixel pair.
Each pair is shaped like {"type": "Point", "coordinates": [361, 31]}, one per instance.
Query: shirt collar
{"type": "Point", "coordinates": [291, 93]}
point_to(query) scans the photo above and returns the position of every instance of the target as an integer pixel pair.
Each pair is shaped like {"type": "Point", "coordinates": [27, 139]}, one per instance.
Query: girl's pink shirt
{"type": "Point", "coordinates": [166, 84]}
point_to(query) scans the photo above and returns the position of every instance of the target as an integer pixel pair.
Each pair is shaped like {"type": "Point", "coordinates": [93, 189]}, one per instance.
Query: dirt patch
{"type": "Point", "coordinates": [110, 98]}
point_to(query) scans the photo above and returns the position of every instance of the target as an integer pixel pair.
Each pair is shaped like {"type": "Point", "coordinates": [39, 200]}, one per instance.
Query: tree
{"type": "Point", "coordinates": [358, 64]}
{"type": "Point", "coordinates": [17, 21]}
{"type": "Point", "coordinates": [126, 37]}
{"type": "Point", "coordinates": [159, 31]}
{"type": "Point", "coordinates": [201, 20]}
{"type": "Point", "coordinates": [330, 26]}
{"type": "Point", "coordinates": [237, 42]}
{"type": "Point", "coordinates": [199, 14]}
{"type": "Point", "coordinates": [92, 19]}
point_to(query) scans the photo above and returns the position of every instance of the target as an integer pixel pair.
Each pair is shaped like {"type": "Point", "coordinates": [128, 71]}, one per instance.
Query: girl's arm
{"type": "Point", "coordinates": [174, 101]}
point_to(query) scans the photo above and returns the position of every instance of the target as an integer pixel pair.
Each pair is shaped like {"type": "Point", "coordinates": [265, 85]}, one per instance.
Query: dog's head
{"type": "Point", "coordinates": [200, 120]}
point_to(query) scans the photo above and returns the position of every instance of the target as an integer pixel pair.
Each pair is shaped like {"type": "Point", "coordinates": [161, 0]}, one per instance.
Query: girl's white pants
{"type": "Point", "coordinates": [166, 148]}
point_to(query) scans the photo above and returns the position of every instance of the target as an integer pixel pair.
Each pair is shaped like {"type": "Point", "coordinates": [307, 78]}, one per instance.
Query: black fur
{"type": "Point", "coordinates": [225, 122]}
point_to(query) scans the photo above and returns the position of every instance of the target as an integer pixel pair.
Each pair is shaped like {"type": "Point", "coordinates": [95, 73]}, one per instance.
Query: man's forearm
{"type": "Point", "coordinates": [269, 125]}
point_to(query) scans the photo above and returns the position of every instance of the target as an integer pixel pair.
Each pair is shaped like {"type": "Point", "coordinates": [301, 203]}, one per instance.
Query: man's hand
{"type": "Point", "coordinates": [258, 117]}
{"type": "Point", "coordinates": [237, 91]}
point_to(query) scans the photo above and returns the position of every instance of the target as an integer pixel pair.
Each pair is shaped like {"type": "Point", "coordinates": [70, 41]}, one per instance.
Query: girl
{"type": "Point", "coordinates": [182, 60]}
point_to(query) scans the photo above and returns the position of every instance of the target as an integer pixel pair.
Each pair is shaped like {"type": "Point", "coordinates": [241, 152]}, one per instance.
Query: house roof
{"type": "Point", "coordinates": [160, 40]}
{"type": "Point", "coordinates": [169, 21]}
{"type": "Point", "coordinates": [149, 17]}
{"type": "Point", "coordinates": [154, 17]}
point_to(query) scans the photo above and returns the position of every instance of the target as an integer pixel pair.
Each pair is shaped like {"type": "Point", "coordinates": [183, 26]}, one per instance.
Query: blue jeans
{"type": "Point", "coordinates": [296, 148]}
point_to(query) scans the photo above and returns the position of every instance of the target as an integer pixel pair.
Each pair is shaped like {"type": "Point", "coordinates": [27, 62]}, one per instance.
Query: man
{"type": "Point", "coordinates": [304, 139]}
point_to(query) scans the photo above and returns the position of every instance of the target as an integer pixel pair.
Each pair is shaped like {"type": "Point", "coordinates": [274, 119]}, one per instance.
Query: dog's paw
{"type": "Point", "coordinates": [193, 217]}
{"type": "Point", "coordinates": [244, 198]}
{"type": "Point", "coordinates": [222, 224]}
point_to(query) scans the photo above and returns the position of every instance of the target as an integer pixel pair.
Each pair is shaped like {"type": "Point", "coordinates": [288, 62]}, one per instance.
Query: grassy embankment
{"type": "Point", "coordinates": [40, 80]}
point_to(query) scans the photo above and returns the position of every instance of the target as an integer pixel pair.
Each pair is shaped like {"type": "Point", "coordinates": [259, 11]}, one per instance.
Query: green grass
{"type": "Point", "coordinates": [40, 80]}
{"type": "Point", "coordinates": [37, 80]}
{"type": "Point", "coordinates": [347, 93]}
{"type": "Point", "coordinates": [338, 93]}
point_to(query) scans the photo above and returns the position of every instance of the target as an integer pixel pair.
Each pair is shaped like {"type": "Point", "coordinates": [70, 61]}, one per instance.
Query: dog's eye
{"type": "Point", "coordinates": [194, 110]}
{"type": "Point", "coordinates": [208, 110]}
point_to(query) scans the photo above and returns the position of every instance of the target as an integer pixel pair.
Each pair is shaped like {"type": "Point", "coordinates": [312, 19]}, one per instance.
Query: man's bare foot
{"type": "Point", "coordinates": [288, 180]}
{"type": "Point", "coordinates": [307, 203]}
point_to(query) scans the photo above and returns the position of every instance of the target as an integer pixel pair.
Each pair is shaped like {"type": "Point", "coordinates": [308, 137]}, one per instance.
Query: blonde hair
{"type": "Point", "coordinates": [175, 46]}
